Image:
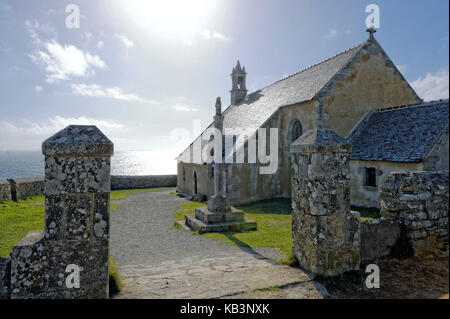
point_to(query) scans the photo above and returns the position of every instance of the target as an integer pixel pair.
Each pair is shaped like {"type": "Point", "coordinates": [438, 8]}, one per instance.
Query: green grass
{"type": "Point", "coordinates": [115, 195]}
{"type": "Point", "coordinates": [274, 226]}
{"type": "Point", "coordinates": [16, 220]}
{"type": "Point", "coordinates": [367, 213]}
{"type": "Point", "coordinates": [122, 194]}
{"type": "Point", "coordinates": [115, 280]}
{"type": "Point", "coordinates": [33, 199]}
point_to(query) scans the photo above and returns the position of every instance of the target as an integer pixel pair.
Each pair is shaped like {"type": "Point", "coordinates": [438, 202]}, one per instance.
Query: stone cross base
{"type": "Point", "coordinates": [205, 221]}
{"type": "Point", "coordinates": [219, 216]}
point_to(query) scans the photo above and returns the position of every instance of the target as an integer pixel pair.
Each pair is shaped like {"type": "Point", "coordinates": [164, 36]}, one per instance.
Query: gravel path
{"type": "Point", "coordinates": [158, 261]}
{"type": "Point", "coordinates": [142, 233]}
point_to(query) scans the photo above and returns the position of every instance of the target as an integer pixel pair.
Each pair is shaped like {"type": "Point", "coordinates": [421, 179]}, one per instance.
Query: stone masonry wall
{"type": "Point", "coordinates": [5, 189]}
{"type": "Point", "coordinates": [419, 202]}
{"type": "Point", "coordinates": [150, 181]}
{"type": "Point", "coordinates": [25, 187]}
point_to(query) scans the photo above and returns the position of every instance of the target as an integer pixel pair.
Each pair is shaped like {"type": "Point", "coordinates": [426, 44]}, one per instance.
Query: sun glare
{"type": "Point", "coordinates": [171, 18]}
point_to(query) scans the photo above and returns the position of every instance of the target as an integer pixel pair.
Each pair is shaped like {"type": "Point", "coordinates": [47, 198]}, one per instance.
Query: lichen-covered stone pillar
{"type": "Point", "coordinates": [325, 233]}
{"type": "Point", "coordinates": [76, 235]}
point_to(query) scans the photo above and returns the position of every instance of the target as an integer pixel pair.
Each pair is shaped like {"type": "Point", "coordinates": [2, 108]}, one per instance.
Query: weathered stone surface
{"type": "Point", "coordinates": [5, 277]}
{"type": "Point", "coordinates": [202, 227]}
{"type": "Point", "coordinates": [206, 216]}
{"type": "Point", "coordinates": [218, 277]}
{"type": "Point", "coordinates": [24, 187]}
{"type": "Point", "coordinates": [76, 231]}
{"type": "Point", "coordinates": [325, 233]}
{"type": "Point", "coordinates": [131, 182]}
{"type": "Point", "coordinates": [378, 237]}
{"type": "Point", "coordinates": [419, 202]}
{"type": "Point", "coordinates": [85, 140]}
{"type": "Point", "coordinates": [5, 189]}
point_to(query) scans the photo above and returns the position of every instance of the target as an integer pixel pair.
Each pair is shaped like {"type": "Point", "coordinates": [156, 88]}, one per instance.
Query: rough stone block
{"type": "Point", "coordinates": [5, 277]}
{"type": "Point", "coordinates": [237, 226]}
{"type": "Point", "coordinates": [378, 237]}
{"type": "Point", "coordinates": [208, 217]}
{"type": "Point", "coordinates": [5, 189]}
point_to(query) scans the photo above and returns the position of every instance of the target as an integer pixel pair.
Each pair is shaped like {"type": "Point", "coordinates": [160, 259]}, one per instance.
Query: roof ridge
{"type": "Point", "coordinates": [312, 66]}
{"type": "Point", "coordinates": [429, 103]}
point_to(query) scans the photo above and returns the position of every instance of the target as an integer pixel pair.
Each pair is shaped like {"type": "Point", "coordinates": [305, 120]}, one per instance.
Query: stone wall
{"type": "Point", "coordinates": [418, 201]}
{"type": "Point", "coordinates": [5, 189]}
{"type": "Point", "coordinates": [24, 187]}
{"type": "Point", "coordinates": [369, 196]}
{"type": "Point", "coordinates": [150, 181]}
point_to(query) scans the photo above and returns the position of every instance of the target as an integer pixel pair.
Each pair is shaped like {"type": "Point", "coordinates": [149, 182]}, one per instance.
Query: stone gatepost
{"type": "Point", "coordinates": [76, 235]}
{"type": "Point", "coordinates": [325, 233]}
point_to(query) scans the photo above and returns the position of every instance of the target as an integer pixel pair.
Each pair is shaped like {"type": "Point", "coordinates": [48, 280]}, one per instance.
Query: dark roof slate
{"type": "Point", "coordinates": [401, 134]}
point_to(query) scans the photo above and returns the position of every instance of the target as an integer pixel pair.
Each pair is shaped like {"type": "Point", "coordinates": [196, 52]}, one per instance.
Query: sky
{"type": "Point", "coordinates": [146, 71]}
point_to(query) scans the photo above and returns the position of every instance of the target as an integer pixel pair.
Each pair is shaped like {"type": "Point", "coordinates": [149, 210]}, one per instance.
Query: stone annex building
{"type": "Point", "coordinates": [361, 95]}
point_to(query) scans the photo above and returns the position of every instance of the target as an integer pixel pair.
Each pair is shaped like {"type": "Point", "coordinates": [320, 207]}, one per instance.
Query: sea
{"type": "Point", "coordinates": [21, 164]}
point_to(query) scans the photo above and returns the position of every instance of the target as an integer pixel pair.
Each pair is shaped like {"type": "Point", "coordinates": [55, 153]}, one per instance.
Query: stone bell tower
{"type": "Point", "coordinates": [238, 88]}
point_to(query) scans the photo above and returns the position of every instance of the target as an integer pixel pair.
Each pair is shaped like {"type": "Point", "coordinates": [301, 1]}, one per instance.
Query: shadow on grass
{"type": "Point", "coordinates": [272, 206]}
{"type": "Point", "coordinates": [243, 246]}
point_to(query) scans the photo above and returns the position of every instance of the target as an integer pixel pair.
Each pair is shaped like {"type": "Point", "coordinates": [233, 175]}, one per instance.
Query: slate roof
{"type": "Point", "coordinates": [401, 134]}
{"type": "Point", "coordinates": [302, 86]}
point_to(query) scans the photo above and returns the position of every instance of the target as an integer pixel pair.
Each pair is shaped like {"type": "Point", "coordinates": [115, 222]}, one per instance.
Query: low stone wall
{"type": "Point", "coordinates": [150, 181]}
{"type": "Point", "coordinates": [378, 238]}
{"type": "Point", "coordinates": [25, 187]}
{"type": "Point", "coordinates": [418, 201]}
{"type": "Point", "coordinates": [5, 189]}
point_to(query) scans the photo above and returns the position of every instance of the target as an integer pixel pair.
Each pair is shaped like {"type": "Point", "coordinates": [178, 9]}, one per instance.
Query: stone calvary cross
{"type": "Point", "coordinates": [219, 215]}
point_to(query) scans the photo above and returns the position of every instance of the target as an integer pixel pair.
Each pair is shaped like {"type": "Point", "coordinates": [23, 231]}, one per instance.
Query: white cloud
{"type": "Point", "coordinates": [211, 35]}
{"type": "Point", "coordinates": [100, 44]}
{"type": "Point", "coordinates": [61, 62]}
{"type": "Point", "coordinates": [180, 107]}
{"type": "Point", "coordinates": [125, 41]}
{"type": "Point", "coordinates": [38, 88]}
{"type": "Point", "coordinates": [333, 33]}
{"type": "Point", "coordinates": [95, 90]}
{"type": "Point", "coordinates": [433, 86]}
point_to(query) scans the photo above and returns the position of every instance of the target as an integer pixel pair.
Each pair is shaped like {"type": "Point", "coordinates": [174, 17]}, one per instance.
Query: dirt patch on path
{"type": "Point", "coordinates": [422, 277]}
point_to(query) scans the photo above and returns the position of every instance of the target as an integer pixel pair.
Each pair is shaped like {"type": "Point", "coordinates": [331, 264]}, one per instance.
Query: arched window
{"type": "Point", "coordinates": [195, 182]}
{"type": "Point", "coordinates": [297, 130]}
